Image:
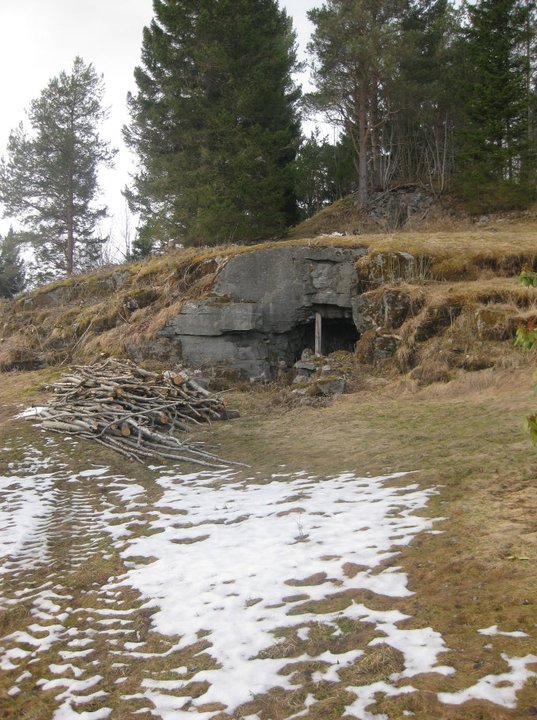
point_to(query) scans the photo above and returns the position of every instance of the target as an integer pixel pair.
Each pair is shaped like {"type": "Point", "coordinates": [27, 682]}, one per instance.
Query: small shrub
{"type": "Point", "coordinates": [526, 336]}
{"type": "Point", "coordinates": [528, 277]}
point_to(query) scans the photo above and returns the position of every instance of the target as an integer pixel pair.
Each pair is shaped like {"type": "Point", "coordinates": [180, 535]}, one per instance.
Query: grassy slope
{"type": "Point", "coordinates": [465, 437]}
{"type": "Point", "coordinates": [118, 310]}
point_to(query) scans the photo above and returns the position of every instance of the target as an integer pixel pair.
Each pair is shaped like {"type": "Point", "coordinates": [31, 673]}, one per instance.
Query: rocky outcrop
{"type": "Point", "coordinates": [261, 313]}
{"type": "Point", "coordinates": [254, 310]}
{"type": "Point", "coordinates": [393, 208]}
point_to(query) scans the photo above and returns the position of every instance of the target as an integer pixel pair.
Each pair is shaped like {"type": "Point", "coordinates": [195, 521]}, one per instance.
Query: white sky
{"type": "Point", "coordinates": [40, 38]}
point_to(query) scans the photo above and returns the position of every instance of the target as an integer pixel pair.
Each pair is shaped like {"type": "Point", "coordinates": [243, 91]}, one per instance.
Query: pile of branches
{"type": "Point", "coordinates": [134, 411]}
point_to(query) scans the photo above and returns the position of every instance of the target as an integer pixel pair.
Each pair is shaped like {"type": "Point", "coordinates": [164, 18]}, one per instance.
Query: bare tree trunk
{"type": "Point", "coordinates": [69, 252]}
{"type": "Point", "coordinates": [375, 146]}
{"type": "Point", "coordinates": [363, 137]}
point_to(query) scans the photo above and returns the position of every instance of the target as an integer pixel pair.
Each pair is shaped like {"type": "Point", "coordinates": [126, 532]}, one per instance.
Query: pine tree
{"type": "Point", "coordinates": [49, 178]}
{"type": "Point", "coordinates": [495, 134]}
{"type": "Point", "coordinates": [356, 45]}
{"type": "Point", "coordinates": [325, 172]}
{"type": "Point", "coordinates": [12, 270]}
{"type": "Point", "coordinates": [214, 123]}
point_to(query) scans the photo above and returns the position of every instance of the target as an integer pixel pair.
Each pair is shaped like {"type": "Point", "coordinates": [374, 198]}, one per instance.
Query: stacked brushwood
{"type": "Point", "coordinates": [134, 411]}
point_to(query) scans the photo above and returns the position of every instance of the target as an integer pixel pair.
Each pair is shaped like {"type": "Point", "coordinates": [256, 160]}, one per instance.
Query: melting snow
{"type": "Point", "coordinates": [242, 542]}
{"type": "Point", "coordinates": [365, 696]}
{"type": "Point", "coordinates": [499, 689]}
{"type": "Point", "coordinates": [30, 502]}
{"type": "Point", "coordinates": [238, 560]}
{"type": "Point", "coordinates": [493, 630]}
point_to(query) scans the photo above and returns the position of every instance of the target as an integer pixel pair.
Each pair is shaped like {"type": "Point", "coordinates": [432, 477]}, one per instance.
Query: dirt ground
{"type": "Point", "coordinates": [465, 438]}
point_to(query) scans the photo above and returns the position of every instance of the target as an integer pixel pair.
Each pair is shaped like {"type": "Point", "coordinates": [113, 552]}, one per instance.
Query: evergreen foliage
{"type": "Point", "coordinates": [12, 269]}
{"type": "Point", "coordinates": [214, 123]}
{"type": "Point", "coordinates": [424, 92]}
{"type": "Point", "coordinates": [324, 172]}
{"type": "Point", "coordinates": [496, 155]}
{"type": "Point", "coordinates": [384, 74]}
{"type": "Point", "coordinates": [419, 139]}
{"type": "Point", "coordinates": [49, 178]}
{"type": "Point", "coordinates": [355, 45]}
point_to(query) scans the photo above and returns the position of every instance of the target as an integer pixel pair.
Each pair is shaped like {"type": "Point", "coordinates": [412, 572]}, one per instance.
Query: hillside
{"type": "Point", "coordinates": [455, 296]}
{"type": "Point", "coordinates": [437, 623]}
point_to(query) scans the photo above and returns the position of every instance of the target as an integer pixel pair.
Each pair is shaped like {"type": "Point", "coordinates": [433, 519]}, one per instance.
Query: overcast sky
{"type": "Point", "coordinates": [40, 38]}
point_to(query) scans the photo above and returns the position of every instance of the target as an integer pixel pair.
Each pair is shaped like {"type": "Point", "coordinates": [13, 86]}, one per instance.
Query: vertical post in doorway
{"type": "Point", "coordinates": [318, 334]}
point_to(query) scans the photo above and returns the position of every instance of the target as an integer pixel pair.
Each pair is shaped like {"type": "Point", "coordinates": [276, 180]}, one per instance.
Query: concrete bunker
{"type": "Point", "coordinates": [268, 306]}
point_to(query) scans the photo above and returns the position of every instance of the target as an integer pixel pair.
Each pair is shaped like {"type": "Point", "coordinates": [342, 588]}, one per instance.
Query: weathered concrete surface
{"type": "Point", "coordinates": [287, 279]}
{"type": "Point", "coordinates": [263, 305]}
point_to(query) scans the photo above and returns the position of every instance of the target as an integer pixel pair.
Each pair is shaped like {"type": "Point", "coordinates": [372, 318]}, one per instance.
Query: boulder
{"type": "Point", "coordinates": [388, 309]}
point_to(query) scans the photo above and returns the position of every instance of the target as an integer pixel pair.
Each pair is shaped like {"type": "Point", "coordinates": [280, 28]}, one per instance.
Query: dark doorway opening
{"type": "Point", "coordinates": [337, 334]}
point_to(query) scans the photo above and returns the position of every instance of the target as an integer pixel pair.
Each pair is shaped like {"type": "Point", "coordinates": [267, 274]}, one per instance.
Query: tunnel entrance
{"type": "Point", "coordinates": [331, 334]}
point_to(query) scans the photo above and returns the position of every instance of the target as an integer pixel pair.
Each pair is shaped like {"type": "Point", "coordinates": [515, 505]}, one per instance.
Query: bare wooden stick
{"type": "Point", "coordinates": [134, 411]}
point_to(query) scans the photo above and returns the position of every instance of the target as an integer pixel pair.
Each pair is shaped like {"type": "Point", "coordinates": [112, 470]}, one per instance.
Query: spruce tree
{"type": "Point", "coordinates": [49, 178]}
{"type": "Point", "coordinates": [325, 172]}
{"type": "Point", "coordinates": [495, 138]}
{"type": "Point", "coordinates": [214, 123]}
{"type": "Point", "coordinates": [425, 89]}
{"type": "Point", "coordinates": [12, 270]}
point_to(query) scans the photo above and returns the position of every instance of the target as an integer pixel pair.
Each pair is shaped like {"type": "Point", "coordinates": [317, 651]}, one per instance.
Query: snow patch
{"type": "Point", "coordinates": [493, 630]}
{"type": "Point", "coordinates": [241, 542]}
{"type": "Point", "coordinates": [498, 689]}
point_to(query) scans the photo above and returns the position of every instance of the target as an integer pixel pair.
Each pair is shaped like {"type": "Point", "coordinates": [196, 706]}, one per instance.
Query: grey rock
{"type": "Point", "coordinates": [331, 387]}
{"type": "Point", "coordinates": [389, 310]}
{"type": "Point", "coordinates": [393, 208]}
{"type": "Point", "coordinates": [385, 347]}
{"type": "Point", "coordinates": [308, 366]}
{"type": "Point", "coordinates": [204, 317]}
{"type": "Point", "coordinates": [395, 266]}
{"type": "Point", "coordinates": [285, 281]}
{"type": "Point", "coordinates": [120, 278]}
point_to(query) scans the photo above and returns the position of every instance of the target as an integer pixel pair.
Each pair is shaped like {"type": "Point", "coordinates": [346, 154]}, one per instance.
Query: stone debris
{"type": "Point", "coordinates": [318, 376]}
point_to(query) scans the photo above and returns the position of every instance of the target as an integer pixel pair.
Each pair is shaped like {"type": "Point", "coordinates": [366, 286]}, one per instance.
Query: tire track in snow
{"type": "Point", "coordinates": [69, 633]}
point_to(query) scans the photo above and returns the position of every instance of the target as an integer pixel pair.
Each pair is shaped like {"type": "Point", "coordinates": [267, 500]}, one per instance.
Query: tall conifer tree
{"type": "Point", "coordinates": [425, 91]}
{"type": "Point", "coordinates": [356, 45]}
{"type": "Point", "coordinates": [214, 122]}
{"type": "Point", "coordinates": [12, 269]}
{"type": "Point", "coordinates": [49, 178]}
{"type": "Point", "coordinates": [495, 134]}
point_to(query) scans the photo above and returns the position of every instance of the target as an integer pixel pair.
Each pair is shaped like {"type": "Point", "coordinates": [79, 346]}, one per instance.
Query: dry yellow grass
{"type": "Point", "coordinates": [118, 310]}
{"type": "Point", "coordinates": [464, 437]}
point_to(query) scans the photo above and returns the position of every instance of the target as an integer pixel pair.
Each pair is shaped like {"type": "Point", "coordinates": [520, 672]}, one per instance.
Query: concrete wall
{"type": "Point", "coordinates": [262, 304]}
